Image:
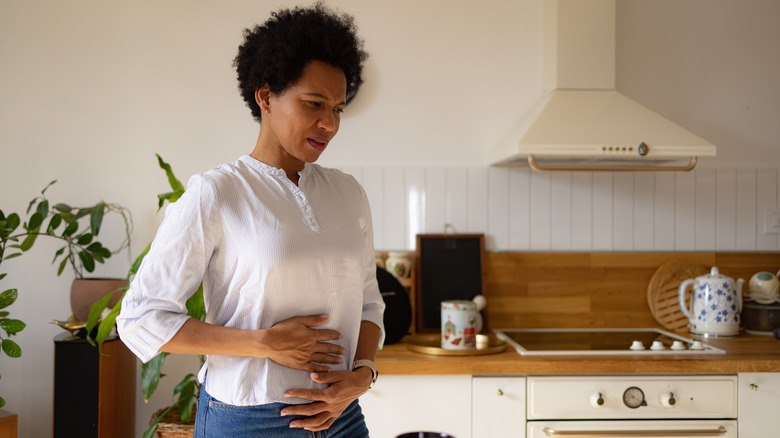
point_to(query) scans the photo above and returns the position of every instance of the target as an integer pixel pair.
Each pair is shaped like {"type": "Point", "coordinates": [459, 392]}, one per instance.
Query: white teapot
{"type": "Point", "coordinates": [716, 304]}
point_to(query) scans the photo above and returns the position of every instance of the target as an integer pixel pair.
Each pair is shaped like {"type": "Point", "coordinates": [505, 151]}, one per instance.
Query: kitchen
{"type": "Point", "coordinates": [112, 74]}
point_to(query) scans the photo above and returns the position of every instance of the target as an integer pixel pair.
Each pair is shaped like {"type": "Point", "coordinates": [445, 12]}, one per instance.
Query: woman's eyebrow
{"type": "Point", "coordinates": [322, 96]}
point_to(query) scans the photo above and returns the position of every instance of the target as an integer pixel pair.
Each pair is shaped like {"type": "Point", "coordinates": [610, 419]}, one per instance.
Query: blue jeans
{"type": "Point", "coordinates": [220, 420]}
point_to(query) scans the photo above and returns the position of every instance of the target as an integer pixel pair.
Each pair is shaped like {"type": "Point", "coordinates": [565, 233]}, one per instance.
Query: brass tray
{"type": "Point", "coordinates": [431, 344]}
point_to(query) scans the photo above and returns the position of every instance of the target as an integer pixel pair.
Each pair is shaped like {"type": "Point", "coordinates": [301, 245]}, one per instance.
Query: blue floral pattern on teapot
{"type": "Point", "coordinates": [716, 304]}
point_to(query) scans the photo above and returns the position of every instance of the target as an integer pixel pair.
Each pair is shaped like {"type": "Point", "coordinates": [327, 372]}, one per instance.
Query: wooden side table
{"type": "Point", "coordinates": [9, 424]}
{"type": "Point", "coordinates": [94, 394]}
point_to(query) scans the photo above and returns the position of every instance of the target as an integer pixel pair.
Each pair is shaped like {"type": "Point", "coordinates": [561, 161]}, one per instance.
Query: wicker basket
{"type": "Point", "coordinates": [169, 426]}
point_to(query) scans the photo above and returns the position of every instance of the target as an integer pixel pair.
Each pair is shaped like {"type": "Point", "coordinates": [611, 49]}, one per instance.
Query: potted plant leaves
{"type": "Point", "coordinates": [76, 228]}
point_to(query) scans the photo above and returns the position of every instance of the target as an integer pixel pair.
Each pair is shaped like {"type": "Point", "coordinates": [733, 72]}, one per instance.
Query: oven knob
{"type": "Point", "coordinates": [668, 400]}
{"type": "Point", "coordinates": [633, 397]}
{"type": "Point", "coordinates": [596, 400]}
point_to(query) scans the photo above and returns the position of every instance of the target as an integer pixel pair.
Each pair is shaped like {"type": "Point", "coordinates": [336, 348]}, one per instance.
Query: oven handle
{"type": "Point", "coordinates": [633, 433]}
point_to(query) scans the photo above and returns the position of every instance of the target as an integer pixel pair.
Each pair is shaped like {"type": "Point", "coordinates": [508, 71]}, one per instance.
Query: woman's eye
{"type": "Point", "coordinates": [338, 110]}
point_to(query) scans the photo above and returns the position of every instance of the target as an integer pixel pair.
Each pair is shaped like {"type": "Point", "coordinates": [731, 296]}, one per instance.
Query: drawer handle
{"type": "Point", "coordinates": [633, 433]}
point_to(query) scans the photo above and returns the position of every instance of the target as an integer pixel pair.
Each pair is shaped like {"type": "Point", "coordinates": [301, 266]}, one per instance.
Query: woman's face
{"type": "Point", "coordinates": [305, 117]}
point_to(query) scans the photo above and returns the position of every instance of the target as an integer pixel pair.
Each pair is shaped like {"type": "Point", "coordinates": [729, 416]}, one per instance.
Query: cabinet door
{"type": "Point", "coordinates": [759, 395]}
{"type": "Point", "coordinates": [399, 404]}
{"type": "Point", "coordinates": [498, 407]}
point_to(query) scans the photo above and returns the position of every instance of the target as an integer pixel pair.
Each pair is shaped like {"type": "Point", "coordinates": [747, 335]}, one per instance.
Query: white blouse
{"type": "Point", "coordinates": [266, 250]}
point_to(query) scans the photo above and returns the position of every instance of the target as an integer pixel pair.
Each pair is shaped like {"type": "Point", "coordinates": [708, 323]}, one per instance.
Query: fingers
{"type": "Point", "coordinates": [312, 320]}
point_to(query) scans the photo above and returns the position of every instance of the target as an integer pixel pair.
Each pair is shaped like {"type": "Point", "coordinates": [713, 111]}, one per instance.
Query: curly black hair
{"type": "Point", "coordinates": [276, 52]}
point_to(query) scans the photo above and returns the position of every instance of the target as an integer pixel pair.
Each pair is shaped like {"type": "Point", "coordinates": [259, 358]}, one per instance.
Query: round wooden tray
{"type": "Point", "coordinates": [663, 293]}
{"type": "Point", "coordinates": [431, 344]}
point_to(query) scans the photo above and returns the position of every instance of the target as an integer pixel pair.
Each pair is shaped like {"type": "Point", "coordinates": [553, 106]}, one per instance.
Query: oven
{"type": "Point", "coordinates": [618, 406]}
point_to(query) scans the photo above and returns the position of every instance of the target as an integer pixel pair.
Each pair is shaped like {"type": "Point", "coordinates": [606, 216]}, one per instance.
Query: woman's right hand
{"type": "Point", "coordinates": [294, 343]}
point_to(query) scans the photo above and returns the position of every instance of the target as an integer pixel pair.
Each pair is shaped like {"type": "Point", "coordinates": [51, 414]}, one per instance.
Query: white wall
{"type": "Point", "coordinates": [90, 90]}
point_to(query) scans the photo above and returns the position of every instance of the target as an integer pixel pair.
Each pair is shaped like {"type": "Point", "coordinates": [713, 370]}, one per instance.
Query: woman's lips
{"type": "Point", "coordinates": [317, 143]}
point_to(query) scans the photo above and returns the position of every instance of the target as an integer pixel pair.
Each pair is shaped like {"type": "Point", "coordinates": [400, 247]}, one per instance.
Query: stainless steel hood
{"type": "Point", "coordinates": [582, 122]}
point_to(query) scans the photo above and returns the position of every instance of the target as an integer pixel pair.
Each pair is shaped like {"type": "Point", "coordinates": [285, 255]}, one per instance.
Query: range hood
{"type": "Point", "coordinates": [581, 122]}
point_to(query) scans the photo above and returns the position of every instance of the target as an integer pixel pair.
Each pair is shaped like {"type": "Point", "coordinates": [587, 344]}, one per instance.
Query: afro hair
{"type": "Point", "coordinates": [276, 52]}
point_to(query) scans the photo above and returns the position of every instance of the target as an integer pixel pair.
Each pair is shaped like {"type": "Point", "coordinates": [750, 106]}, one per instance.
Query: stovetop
{"type": "Point", "coordinates": [608, 341]}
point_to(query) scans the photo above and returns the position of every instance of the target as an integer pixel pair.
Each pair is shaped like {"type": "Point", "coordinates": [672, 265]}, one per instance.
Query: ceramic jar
{"type": "Point", "coordinates": [458, 325]}
{"type": "Point", "coordinates": [399, 264]}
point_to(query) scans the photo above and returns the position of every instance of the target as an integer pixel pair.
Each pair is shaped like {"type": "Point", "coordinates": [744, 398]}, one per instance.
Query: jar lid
{"type": "Point", "coordinates": [458, 305]}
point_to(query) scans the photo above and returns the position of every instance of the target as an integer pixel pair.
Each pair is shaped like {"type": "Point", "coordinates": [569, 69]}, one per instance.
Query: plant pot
{"type": "Point", "coordinates": [86, 291]}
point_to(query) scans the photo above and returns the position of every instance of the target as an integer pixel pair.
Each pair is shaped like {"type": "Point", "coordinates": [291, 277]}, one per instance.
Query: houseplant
{"type": "Point", "coordinates": [77, 229]}
{"type": "Point", "coordinates": [151, 372]}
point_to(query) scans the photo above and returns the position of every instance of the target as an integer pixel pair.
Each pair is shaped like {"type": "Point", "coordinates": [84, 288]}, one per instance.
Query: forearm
{"type": "Point", "coordinates": [368, 341]}
{"type": "Point", "coordinates": [198, 337]}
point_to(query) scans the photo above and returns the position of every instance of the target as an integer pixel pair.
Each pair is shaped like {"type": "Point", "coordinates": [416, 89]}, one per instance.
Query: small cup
{"type": "Point", "coordinates": [458, 325]}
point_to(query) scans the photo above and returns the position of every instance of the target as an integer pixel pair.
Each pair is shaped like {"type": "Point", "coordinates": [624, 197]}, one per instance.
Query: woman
{"type": "Point", "coordinates": [283, 247]}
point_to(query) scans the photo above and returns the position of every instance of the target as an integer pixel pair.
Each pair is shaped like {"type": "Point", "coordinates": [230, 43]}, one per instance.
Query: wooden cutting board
{"type": "Point", "coordinates": [663, 293]}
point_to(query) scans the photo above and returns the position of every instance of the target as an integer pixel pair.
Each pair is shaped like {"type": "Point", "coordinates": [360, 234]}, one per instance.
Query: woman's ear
{"type": "Point", "coordinates": [263, 98]}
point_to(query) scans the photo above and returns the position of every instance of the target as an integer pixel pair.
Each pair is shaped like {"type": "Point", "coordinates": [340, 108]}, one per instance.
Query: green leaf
{"type": "Point", "coordinates": [12, 326]}
{"type": "Point", "coordinates": [150, 375]}
{"type": "Point", "coordinates": [2, 276]}
{"type": "Point", "coordinates": [43, 192]}
{"type": "Point", "coordinates": [151, 432]}
{"type": "Point", "coordinates": [12, 221]}
{"type": "Point", "coordinates": [62, 208]}
{"type": "Point", "coordinates": [2, 402]}
{"type": "Point", "coordinates": [30, 205]}
{"type": "Point", "coordinates": [4, 313]}
{"type": "Point", "coordinates": [87, 260]}
{"type": "Point", "coordinates": [176, 185]}
{"type": "Point", "coordinates": [84, 239]}
{"type": "Point", "coordinates": [62, 265]}
{"type": "Point", "coordinates": [54, 223]}
{"type": "Point", "coordinates": [70, 229]}
{"type": "Point", "coordinates": [195, 305]}
{"type": "Point", "coordinates": [96, 309]}
{"type": "Point", "coordinates": [57, 254]}
{"type": "Point", "coordinates": [105, 327]}
{"type": "Point", "coordinates": [35, 222]}
{"type": "Point", "coordinates": [8, 297]}
{"type": "Point", "coordinates": [169, 196]}
{"type": "Point", "coordinates": [137, 262]}
{"type": "Point", "coordinates": [29, 241]}
{"type": "Point", "coordinates": [12, 256]}
{"type": "Point", "coordinates": [96, 217]}
{"type": "Point", "coordinates": [83, 212]}
{"type": "Point", "coordinates": [186, 390]}
{"type": "Point", "coordinates": [43, 208]}
{"type": "Point", "coordinates": [11, 348]}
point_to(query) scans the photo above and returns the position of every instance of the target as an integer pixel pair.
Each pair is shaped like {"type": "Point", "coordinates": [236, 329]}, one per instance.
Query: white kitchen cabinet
{"type": "Point", "coordinates": [498, 407]}
{"type": "Point", "coordinates": [403, 403]}
{"type": "Point", "coordinates": [759, 398]}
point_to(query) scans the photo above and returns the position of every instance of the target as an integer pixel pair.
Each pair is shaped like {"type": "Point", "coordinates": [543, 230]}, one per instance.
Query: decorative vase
{"type": "Point", "coordinates": [398, 264]}
{"type": "Point", "coordinates": [84, 292]}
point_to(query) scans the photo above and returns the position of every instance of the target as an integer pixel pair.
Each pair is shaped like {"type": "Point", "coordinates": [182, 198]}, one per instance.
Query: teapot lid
{"type": "Point", "coordinates": [713, 275]}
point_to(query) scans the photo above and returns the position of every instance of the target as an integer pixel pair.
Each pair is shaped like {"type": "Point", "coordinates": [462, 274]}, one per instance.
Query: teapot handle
{"type": "Point", "coordinates": [683, 305]}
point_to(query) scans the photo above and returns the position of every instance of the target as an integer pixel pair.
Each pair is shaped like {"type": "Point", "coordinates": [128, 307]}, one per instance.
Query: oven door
{"type": "Point", "coordinates": [632, 428]}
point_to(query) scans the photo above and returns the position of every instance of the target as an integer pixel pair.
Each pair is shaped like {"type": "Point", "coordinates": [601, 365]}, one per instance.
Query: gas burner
{"type": "Point", "coordinates": [619, 341]}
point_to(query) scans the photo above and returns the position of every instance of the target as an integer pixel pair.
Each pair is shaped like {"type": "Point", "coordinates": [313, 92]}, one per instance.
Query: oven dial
{"type": "Point", "coordinates": [597, 400]}
{"type": "Point", "coordinates": [668, 400]}
{"type": "Point", "coordinates": [634, 397]}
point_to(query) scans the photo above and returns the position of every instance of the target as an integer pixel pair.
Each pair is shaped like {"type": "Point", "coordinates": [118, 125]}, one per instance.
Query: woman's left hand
{"type": "Point", "coordinates": [344, 387]}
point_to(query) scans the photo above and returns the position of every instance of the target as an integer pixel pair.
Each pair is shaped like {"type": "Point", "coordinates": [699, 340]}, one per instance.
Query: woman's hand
{"type": "Point", "coordinates": [344, 387]}
{"type": "Point", "coordinates": [295, 344]}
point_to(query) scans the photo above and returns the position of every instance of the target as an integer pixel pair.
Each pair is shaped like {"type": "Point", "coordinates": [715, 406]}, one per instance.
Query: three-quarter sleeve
{"type": "Point", "coordinates": [154, 307]}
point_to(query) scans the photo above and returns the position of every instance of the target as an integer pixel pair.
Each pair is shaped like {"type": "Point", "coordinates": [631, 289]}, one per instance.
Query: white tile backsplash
{"type": "Point", "coordinates": [521, 210]}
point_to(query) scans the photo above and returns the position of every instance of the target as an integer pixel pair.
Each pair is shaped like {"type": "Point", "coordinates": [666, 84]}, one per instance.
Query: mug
{"type": "Point", "coordinates": [763, 287]}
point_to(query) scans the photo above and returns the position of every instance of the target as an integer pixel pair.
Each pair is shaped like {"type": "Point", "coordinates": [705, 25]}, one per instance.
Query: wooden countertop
{"type": "Point", "coordinates": [744, 354]}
